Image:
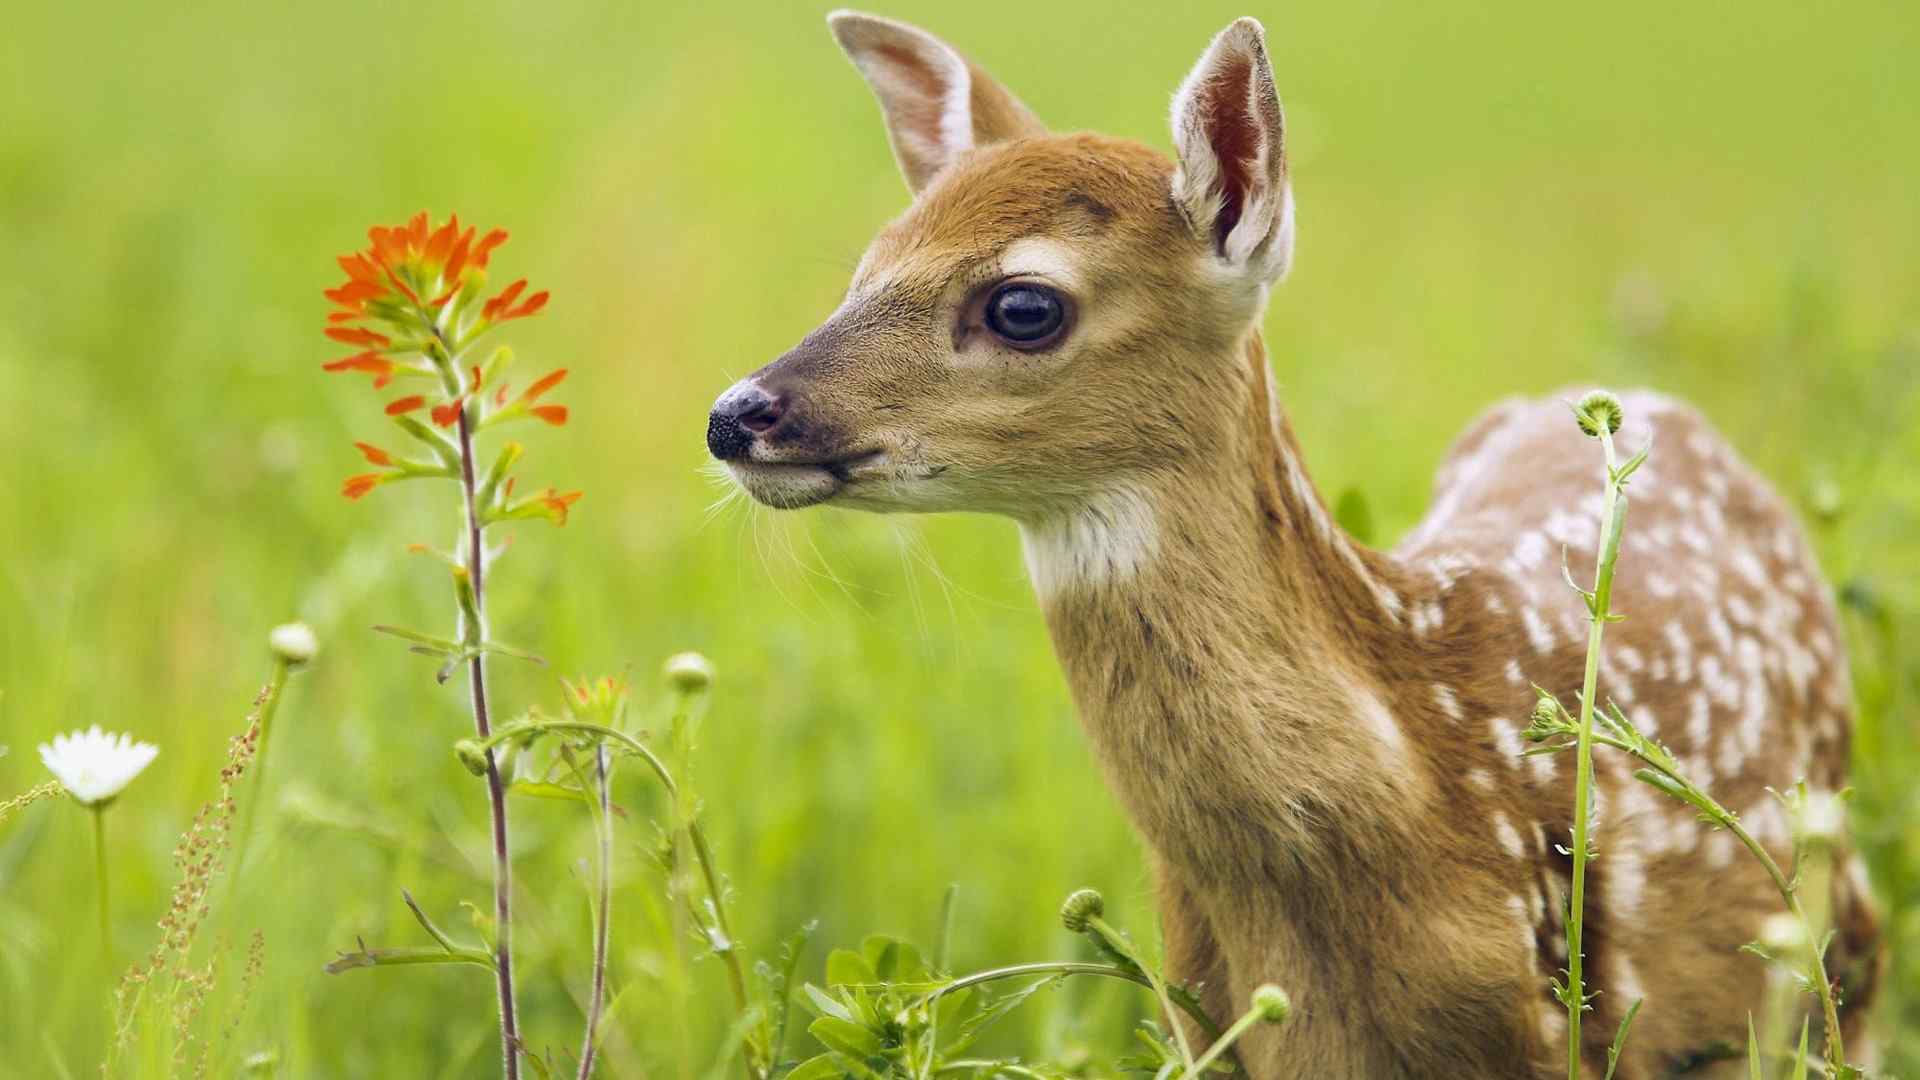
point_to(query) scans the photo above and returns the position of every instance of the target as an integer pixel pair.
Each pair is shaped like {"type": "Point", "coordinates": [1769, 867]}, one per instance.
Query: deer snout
{"type": "Point", "coordinates": [742, 414]}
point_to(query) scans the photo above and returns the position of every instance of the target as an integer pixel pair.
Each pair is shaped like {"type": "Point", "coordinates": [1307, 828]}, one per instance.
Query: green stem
{"type": "Point", "coordinates": [100, 878]}
{"type": "Point", "coordinates": [1065, 967]}
{"type": "Point", "coordinates": [1125, 948]}
{"type": "Point", "coordinates": [1225, 1042]}
{"type": "Point", "coordinates": [1726, 819]}
{"type": "Point", "coordinates": [1612, 513]}
{"type": "Point", "coordinates": [702, 851]}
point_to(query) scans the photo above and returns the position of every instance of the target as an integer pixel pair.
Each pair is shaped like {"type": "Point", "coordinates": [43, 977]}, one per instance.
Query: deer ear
{"type": "Point", "coordinates": [1229, 134]}
{"type": "Point", "coordinates": [937, 105]}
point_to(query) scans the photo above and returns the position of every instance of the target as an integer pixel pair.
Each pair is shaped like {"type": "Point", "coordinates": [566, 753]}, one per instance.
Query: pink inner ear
{"type": "Point", "coordinates": [920, 110]}
{"type": "Point", "coordinates": [1235, 138]}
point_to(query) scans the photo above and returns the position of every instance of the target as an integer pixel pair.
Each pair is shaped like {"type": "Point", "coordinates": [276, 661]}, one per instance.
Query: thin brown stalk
{"type": "Point", "coordinates": [496, 789]}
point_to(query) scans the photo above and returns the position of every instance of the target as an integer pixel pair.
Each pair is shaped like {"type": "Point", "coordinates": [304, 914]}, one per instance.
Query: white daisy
{"type": "Point", "coordinates": [93, 766]}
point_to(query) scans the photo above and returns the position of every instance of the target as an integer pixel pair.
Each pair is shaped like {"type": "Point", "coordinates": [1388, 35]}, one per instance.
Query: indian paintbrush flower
{"type": "Point", "coordinates": [412, 306]}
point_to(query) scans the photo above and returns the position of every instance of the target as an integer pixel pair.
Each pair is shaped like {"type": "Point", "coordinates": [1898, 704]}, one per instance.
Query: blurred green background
{"type": "Point", "coordinates": [1718, 201]}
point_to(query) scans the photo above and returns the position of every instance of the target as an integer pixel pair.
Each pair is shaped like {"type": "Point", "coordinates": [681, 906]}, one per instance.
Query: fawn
{"type": "Point", "coordinates": [1320, 741]}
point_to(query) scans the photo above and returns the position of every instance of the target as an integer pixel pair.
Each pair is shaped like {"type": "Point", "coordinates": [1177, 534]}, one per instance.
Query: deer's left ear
{"type": "Point", "coordinates": [937, 105]}
{"type": "Point", "coordinates": [1229, 133]}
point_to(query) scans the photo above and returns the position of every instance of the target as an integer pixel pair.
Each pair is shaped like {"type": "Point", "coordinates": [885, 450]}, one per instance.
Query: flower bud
{"type": "Point", "coordinates": [1272, 1003]}
{"type": "Point", "coordinates": [1080, 907]}
{"type": "Point", "coordinates": [293, 643]}
{"type": "Point", "coordinates": [471, 754]}
{"type": "Point", "coordinates": [689, 672]}
{"type": "Point", "coordinates": [1599, 408]}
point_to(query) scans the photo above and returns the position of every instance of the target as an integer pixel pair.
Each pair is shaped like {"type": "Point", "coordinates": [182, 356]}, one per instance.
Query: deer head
{"type": "Point", "coordinates": [1054, 317]}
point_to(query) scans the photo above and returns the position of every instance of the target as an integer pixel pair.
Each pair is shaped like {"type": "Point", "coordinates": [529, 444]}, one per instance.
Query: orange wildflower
{"type": "Point", "coordinates": [357, 486]}
{"type": "Point", "coordinates": [372, 363]}
{"type": "Point", "coordinates": [446, 414]}
{"type": "Point", "coordinates": [557, 502]}
{"type": "Point", "coordinates": [405, 405]}
{"type": "Point", "coordinates": [373, 454]}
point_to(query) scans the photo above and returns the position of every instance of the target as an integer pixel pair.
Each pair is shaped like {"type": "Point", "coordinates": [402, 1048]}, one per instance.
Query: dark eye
{"type": "Point", "coordinates": [1025, 314]}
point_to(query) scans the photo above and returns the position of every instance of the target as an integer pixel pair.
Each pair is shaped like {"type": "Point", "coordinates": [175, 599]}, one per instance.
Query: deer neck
{"type": "Point", "coordinates": [1224, 641]}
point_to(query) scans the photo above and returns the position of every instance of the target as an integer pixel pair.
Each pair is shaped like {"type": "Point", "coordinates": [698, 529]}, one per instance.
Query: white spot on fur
{"type": "Point", "coordinates": [1514, 675]}
{"type": "Point", "coordinates": [1508, 836]}
{"type": "Point", "coordinates": [1626, 882]}
{"type": "Point", "coordinates": [1626, 982]}
{"type": "Point", "coordinates": [1103, 542]}
{"type": "Point", "coordinates": [1449, 703]}
{"type": "Point", "coordinates": [1386, 731]}
{"type": "Point", "coordinates": [1506, 739]}
{"type": "Point", "coordinates": [1539, 634]}
{"type": "Point", "coordinates": [1481, 779]}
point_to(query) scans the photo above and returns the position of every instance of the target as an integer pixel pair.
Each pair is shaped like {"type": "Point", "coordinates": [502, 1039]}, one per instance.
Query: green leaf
{"type": "Point", "coordinates": [1800, 1056]}
{"type": "Point", "coordinates": [848, 968]}
{"type": "Point", "coordinates": [824, 1004]}
{"type": "Point", "coordinates": [845, 1036]}
{"type": "Point", "coordinates": [894, 960]}
{"type": "Point", "coordinates": [1754, 1072]}
{"type": "Point", "coordinates": [535, 789]}
{"type": "Point", "coordinates": [438, 645]}
{"type": "Point", "coordinates": [819, 1067]}
{"type": "Point", "coordinates": [1620, 1037]}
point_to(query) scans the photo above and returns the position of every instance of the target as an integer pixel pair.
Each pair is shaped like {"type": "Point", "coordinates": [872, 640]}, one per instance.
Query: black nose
{"type": "Point", "coordinates": [741, 413]}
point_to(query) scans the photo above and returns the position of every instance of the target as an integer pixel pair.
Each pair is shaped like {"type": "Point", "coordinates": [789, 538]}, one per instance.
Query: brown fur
{"type": "Point", "coordinates": [1320, 741]}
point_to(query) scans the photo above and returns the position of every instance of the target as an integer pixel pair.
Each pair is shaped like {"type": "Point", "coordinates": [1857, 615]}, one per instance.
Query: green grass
{"type": "Point", "coordinates": [1492, 201]}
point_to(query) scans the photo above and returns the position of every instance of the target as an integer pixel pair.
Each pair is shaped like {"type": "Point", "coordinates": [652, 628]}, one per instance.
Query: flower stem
{"type": "Point", "coordinates": [1613, 513]}
{"type": "Point", "coordinates": [603, 829]}
{"type": "Point", "coordinates": [496, 790]}
{"type": "Point", "coordinates": [1066, 967]}
{"type": "Point", "coordinates": [100, 877]}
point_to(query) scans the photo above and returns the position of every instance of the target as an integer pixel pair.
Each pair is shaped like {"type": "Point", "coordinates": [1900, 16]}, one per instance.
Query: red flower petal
{"type": "Point", "coordinates": [354, 292]}
{"type": "Point", "coordinates": [405, 405]}
{"type": "Point", "coordinates": [357, 486]}
{"type": "Point", "coordinates": [370, 362]}
{"type": "Point", "coordinates": [446, 414]}
{"type": "Point", "coordinates": [484, 249]}
{"type": "Point", "coordinates": [355, 335]}
{"type": "Point", "coordinates": [373, 454]}
{"type": "Point", "coordinates": [441, 241]}
{"type": "Point", "coordinates": [545, 384]}
{"type": "Point", "coordinates": [417, 232]}
{"type": "Point", "coordinates": [552, 414]}
{"type": "Point", "coordinates": [531, 307]}
{"type": "Point", "coordinates": [457, 258]}
{"type": "Point", "coordinates": [359, 269]}
{"type": "Point", "coordinates": [507, 296]}
{"type": "Point", "coordinates": [558, 502]}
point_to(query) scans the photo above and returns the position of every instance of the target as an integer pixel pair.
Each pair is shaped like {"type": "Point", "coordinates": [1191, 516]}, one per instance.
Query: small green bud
{"type": "Point", "coordinates": [1599, 408]}
{"type": "Point", "coordinates": [471, 754]}
{"type": "Point", "coordinates": [1272, 1003]}
{"type": "Point", "coordinates": [689, 672]}
{"type": "Point", "coordinates": [293, 643]}
{"type": "Point", "coordinates": [1080, 907]}
{"type": "Point", "coordinates": [1546, 711]}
